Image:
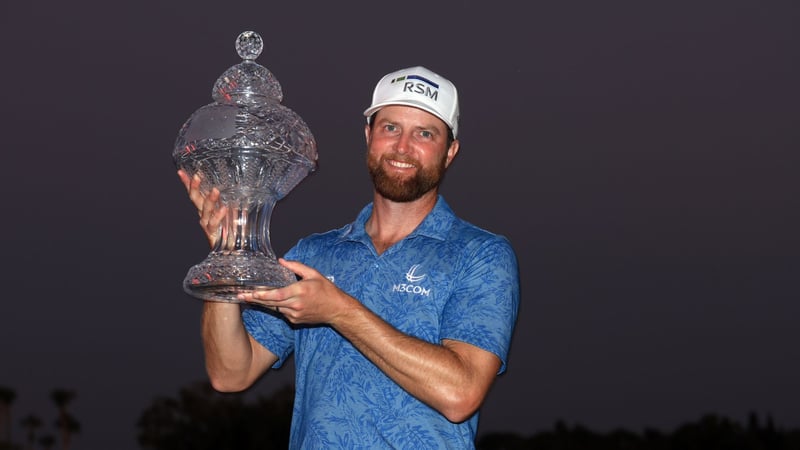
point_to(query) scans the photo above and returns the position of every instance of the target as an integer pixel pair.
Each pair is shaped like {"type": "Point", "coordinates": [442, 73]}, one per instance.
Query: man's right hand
{"type": "Point", "coordinates": [210, 210]}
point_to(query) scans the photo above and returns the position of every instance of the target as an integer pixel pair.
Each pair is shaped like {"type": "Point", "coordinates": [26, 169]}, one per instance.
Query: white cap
{"type": "Point", "coordinates": [420, 88]}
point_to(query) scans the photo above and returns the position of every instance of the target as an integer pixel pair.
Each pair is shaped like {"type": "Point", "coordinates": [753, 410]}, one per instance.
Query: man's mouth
{"type": "Point", "coordinates": [399, 164]}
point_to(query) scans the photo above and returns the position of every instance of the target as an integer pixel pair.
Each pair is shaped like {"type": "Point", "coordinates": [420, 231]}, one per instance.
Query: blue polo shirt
{"type": "Point", "coordinates": [446, 280]}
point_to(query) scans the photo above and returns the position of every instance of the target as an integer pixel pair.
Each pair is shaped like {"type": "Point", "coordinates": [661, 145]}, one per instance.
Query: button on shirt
{"type": "Point", "coordinates": [448, 279]}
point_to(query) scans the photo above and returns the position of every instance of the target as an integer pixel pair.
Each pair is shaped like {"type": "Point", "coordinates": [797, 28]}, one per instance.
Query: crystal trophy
{"type": "Point", "coordinates": [254, 150]}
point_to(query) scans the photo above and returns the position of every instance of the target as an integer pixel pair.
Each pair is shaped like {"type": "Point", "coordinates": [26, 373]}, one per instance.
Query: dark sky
{"type": "Point", "coordinates": [641, 157]}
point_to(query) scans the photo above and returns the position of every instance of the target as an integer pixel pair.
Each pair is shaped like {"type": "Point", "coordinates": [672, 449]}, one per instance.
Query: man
{"type": "Point", "coordinates": [400, 321]}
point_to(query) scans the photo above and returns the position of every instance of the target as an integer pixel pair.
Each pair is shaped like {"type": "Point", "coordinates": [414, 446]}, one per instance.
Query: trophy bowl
{"type": "Point", "coordinates": [254, 151]}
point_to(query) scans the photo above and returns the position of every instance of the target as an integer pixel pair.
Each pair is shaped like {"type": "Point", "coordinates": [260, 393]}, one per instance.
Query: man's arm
{"type": "Point", "coordinates": [452, 377]}
{"type": "Point", "coordinates": [234, 360]}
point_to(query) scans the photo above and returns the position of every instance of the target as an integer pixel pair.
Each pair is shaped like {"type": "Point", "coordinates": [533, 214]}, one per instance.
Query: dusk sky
{"type": "Point", "coordinates": [642, 158]}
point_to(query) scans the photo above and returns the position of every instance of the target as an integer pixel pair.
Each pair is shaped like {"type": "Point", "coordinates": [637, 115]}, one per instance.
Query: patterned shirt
{"type": "Point", "coordinates": [446, 280]}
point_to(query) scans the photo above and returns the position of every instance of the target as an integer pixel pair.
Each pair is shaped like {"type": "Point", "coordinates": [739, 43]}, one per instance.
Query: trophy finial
{"type": "Point", "coordinates": [249, 45]}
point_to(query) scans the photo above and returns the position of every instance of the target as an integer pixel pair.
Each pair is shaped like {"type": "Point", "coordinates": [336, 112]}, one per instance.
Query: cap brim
{"type": "Point", "coordinates": [374, 108]}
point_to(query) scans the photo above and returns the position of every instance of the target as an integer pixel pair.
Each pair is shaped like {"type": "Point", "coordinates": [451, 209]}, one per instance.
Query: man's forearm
{"type": "Point", "coordinates": [229, 351]}
{"type": "Point", "coordinates": [452, 377]}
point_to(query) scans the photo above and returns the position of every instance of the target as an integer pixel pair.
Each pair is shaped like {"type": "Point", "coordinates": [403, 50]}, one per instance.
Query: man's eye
{"type": "Point", "coordinates": [426, 134]}
{"type": "Point", "coordinates": [390, 128]}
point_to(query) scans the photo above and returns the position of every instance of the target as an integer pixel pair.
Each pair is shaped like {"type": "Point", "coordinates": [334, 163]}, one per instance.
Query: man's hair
{"type": "Point", "coordinates": [450, 137]}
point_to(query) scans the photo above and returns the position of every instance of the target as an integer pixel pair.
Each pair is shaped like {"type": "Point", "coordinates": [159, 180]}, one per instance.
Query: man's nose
{"type": "Point", "coordinates": [403, 144]}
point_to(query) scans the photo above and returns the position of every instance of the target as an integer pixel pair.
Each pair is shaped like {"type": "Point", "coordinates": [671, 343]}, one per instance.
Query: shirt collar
{"type": "Point", "coordinates": [435, 225]}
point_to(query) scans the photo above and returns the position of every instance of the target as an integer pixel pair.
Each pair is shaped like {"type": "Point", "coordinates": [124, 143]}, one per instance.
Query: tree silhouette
{"type": "Point", "coordinates": [67, 425]}
{"type": "Point", "coordinates": [203, 419]}
{"type": "Point", "coordinates": [711, 432]}
{"type": "Point", "coordinates": [200, 418]}
{"type": "Point", "coordinates": [31, 423]}
{"type": "Point", "coordinates": [47, 442]}
{"type": "Point", "coordinates": [7, 396]}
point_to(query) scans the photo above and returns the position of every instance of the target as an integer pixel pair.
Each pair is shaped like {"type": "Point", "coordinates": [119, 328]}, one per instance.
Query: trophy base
{"type": "Point", "coordinates": [223, 293]}
{"type": "Point", "coordinates": [222, 276]}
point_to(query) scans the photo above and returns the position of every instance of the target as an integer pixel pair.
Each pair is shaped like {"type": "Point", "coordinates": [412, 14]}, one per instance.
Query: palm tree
{"type": "Point", "coordinates": [203, 419]}
{"type": "Point", "coordinates": [66, 424]}
{"type": "Point", "coordinates": [7, 396]}
{"type": "Point", "coordinates": [47, 441]}
{"type": "Point", "coordinates": [31, 423]}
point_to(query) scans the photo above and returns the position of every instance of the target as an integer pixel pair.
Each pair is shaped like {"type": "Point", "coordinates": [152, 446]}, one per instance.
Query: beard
{"type": "Point", "coordinates": [405, 189]}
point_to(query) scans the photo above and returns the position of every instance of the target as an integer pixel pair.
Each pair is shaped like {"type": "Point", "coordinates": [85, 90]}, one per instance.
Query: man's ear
{"type": "Point", "coordinates": [367, 131]}
{"type": "Point", "coordinates": [452, 152]}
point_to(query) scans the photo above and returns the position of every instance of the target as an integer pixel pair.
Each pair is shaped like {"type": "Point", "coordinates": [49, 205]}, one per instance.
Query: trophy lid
{"type": "Point", "coordinates": [248, 82]}
{"type": "Point", "coordinates": [270, 145]}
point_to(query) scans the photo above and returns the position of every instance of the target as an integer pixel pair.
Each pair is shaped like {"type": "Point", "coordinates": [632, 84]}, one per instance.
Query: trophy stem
{"type": "Point", "coordinates": [242, 259]}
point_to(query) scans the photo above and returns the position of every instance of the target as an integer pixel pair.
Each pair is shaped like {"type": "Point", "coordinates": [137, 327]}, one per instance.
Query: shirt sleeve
{"type": "Point", "coordinates": [269, 329]}
{"type": "Point", "coordinates": [483, 308]}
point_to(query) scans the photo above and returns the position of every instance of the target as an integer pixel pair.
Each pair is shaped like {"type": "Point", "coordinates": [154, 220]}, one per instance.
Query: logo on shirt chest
{"type": "Point", "coordinates": [412, 276]}
{"type": "Point", "coordinates": [412, 287]}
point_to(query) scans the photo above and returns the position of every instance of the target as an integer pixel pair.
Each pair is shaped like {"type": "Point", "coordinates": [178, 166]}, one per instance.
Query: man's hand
{"type": "Point", "coordinates": [210, 210]}
{"type": "Point", "coordinates": [312, 300]}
